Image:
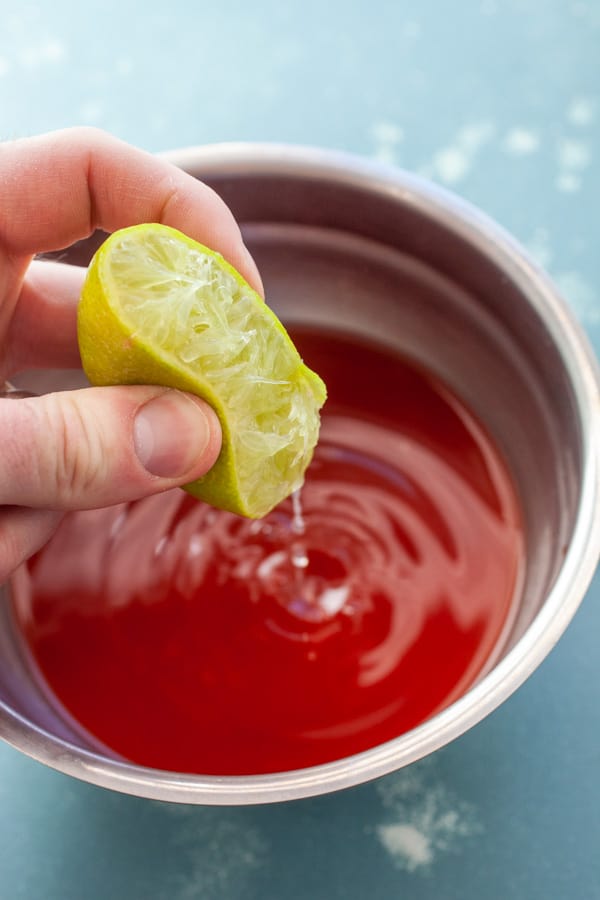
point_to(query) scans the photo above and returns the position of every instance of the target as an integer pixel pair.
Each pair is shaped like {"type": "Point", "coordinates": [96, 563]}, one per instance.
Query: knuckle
{"type": "Point", "coordinates": [87, 135]}
{"type": "Point", "coordinates": [78, 462]}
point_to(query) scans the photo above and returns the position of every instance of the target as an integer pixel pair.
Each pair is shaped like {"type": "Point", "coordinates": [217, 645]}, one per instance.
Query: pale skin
{"type": "Point", "coordinates": [97, 446]}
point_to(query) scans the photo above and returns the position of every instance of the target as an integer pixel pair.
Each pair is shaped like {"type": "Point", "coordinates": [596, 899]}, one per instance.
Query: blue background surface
{"type": "Point", "coordinates": [498, 100]}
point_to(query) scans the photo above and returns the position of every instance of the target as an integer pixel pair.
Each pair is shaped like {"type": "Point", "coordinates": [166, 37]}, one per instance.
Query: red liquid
{"type": "Point", "coordinates": [196, 641]}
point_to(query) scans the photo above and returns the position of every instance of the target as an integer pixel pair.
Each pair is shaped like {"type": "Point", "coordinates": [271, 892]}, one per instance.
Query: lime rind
{"type": "Point", "coordinates": [191, 321]}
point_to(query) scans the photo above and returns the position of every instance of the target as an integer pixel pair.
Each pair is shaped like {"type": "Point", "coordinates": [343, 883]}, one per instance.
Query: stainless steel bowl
{"type": "Point", "coordinates": [343, 242]}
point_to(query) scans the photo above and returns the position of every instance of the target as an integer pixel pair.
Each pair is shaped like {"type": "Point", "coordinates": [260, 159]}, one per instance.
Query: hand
{"type": "Point", "coordinates": [97, 446]}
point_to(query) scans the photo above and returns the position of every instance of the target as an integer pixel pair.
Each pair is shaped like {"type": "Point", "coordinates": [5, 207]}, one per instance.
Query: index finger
{"type": "Point", "coordinates": [58, 188]}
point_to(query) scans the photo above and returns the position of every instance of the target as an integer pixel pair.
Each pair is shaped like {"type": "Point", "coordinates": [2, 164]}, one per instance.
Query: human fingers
{"type": "Point", "coordinates": [60, 187]}
{"type": "Point", "coordinates": [22, 532]}
{"type": "Point", "coordinates": [43, 328]}
{"type": "Point", "coordinates": [99, 446]}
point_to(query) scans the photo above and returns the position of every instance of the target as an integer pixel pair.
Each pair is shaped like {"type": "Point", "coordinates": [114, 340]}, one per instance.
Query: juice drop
{"type": "Point", "coordinates": [190, 639]}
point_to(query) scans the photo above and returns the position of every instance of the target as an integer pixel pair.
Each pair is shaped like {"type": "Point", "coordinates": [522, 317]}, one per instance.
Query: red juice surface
{"type": "Point", "coordinates": [190, 639]}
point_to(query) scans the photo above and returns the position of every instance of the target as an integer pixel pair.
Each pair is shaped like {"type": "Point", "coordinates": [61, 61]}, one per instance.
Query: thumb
{"type": "Point", "coordinates": [99, 446]}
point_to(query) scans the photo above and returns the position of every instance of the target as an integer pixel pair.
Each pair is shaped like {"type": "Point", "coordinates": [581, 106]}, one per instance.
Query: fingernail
{"type": "Point", "coordinates": [170, 433]}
